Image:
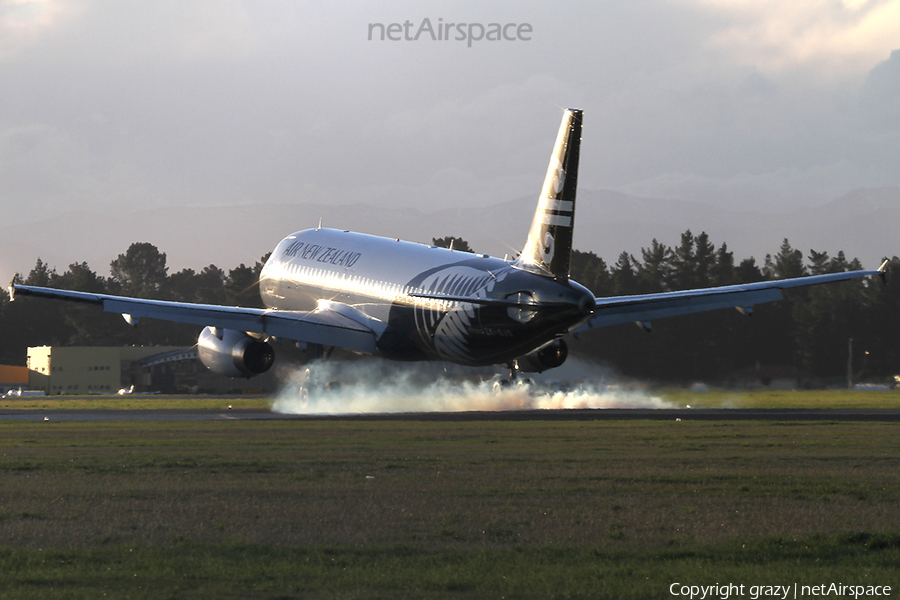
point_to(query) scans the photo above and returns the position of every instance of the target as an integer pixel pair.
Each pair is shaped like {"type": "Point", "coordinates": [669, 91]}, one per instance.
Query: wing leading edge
{"type": "Point", "coordinates": [648, 307]}
{"type": "Point", "coordinates": [322, 326]}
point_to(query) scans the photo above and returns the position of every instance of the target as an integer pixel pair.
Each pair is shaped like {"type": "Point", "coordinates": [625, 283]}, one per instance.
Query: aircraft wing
{"type": "Point", "coordinates": [647, 307]}
{"type": "Point", "coordinates": [322, 326]}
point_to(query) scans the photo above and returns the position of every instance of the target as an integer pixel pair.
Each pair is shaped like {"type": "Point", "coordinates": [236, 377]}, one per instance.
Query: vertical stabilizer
{"type": "Point", "coordinates": [549, 245]}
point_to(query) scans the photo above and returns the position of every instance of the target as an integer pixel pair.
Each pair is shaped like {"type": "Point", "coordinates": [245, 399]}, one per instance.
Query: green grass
{"type": "Point", "coordinates": [131, 402]}
{"type": "Point", "coordinates": [234, 570]}
{"type": "Point", "coordinates": [603, 509]}
{"type": "Point", "coordinates": [721, 398]}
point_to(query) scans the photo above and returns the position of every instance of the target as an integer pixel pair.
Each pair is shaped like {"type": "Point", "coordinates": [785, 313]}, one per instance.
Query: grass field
{"type": "Point", "coordinates": [335, 509]}
{"type": "Point", "coordinates": [131, 402]}
{"type": "Point", "coordinates": [719, 398]}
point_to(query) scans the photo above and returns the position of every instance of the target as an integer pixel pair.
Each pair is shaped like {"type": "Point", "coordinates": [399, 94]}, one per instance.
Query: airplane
{"type": "Point", "coordinates": [405, 301]}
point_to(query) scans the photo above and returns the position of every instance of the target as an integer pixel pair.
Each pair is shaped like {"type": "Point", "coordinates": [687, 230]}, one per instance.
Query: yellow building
{"type": "Point", "coordinates": [88, 369]}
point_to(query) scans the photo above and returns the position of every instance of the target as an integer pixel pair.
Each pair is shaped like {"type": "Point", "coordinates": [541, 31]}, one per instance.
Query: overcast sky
{"type": "Point", "coordinates": [761, 104]}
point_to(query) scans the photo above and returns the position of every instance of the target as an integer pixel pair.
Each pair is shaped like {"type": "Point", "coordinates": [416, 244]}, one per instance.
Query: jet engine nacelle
{"type": "Point", "coordinates": [233, 353]}
{"type": "Point", "coordinates": [546, 357]}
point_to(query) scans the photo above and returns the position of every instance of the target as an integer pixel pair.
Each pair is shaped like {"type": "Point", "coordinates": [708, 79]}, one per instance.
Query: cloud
{"type": "Point", "coordinates": [879, 106]}
{"type": "Point", "coordinates": [106, 33]}
{"type": "Point", "coordinates": [228, 101]}
{"type": "Point", "coordinates": [830, 38]}
{"type": "Point", "coordinates": [779, 190]}
{"type": "Point", "coordinates": [38, 161]}
{"type": "Point", "coordinates": [25, 23]}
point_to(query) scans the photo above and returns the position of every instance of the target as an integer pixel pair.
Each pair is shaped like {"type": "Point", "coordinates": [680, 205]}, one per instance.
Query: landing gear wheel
{"type": "Point", "coordinates": [303, 396]}
{"type": "Point", "coordinates": [307, 390]}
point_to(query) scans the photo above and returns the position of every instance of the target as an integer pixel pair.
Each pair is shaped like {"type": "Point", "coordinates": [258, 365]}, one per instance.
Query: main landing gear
{"type": "Point", "coordinates": [312, 385]}
{"type": "Point", "coordinates": [513, 381]}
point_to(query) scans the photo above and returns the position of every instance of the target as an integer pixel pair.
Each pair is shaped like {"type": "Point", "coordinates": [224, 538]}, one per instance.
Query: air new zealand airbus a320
{"type": "Point", "coordinates": [411, 302]}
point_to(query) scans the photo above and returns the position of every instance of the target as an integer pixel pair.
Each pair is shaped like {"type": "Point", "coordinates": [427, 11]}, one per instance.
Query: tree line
{"type": "Point", "coordinates": [140, 272]}
{"type": "Point", "coordinates": [808, 332]}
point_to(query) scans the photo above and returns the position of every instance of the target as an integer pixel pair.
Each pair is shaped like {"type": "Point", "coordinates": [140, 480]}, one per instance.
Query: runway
{"type": "Point", "coordinates": [601, 414]}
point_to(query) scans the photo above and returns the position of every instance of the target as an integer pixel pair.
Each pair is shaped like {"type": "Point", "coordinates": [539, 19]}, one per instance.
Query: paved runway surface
{"type": "Point", "coordinates": [610, 414]}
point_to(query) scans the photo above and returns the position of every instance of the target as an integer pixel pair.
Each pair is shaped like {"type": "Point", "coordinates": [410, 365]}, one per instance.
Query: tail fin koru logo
{"type": "Point", "coordinates": [547, 248]}
{"type": "Point", "coordinates": [559, 178]}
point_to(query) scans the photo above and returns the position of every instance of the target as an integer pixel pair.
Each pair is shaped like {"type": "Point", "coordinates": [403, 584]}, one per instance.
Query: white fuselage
{"type": "Point", "coordinates": [381, 278]}
{"type": "Point", "coordinates": [369, 272]}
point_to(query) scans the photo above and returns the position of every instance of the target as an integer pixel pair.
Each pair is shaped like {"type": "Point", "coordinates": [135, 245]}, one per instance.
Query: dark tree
{"type": "Point", "coordinates": [37, 322]}
{"type": "Point", "coordinates": [182, 286]}
{"type": "Point", "coordinates": [80, 277]}
{"type": "Point", "coordinates": [242, 287]}
{"type": "Point", "coordinates": [140, 272]}
{"type": "Point", "coordinates": [456, 243]}
{"type": "Point", "coordinates": [748, 272]}
{"type": "Point", "coordinates": [882, 322]}
{"type": "Point", "coordinates": [655, 273]}
{"type": "Point", "coordinates": [590, 270]}
{"type": "Point", "coordinates": [724, 271]}
{"type": "Point", "coordinates": [683, 267]}
{"type": "Point", "coordinates": [704, 260]}
{"type": "Point", "coordinates": [41, 275]}
{"type": "Point", "coordinates": [819, 263]}
{"type": "Point", "coordinates": [624, 275]}
{"type": "Point", "coordinates": [211, 285]}
{"type": "Point", "coordinates": [786, 264]}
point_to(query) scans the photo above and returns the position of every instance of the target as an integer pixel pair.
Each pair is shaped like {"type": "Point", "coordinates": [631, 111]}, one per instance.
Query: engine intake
{"type": "Point", "coordinates": [546, 357]}
{"type": "Point", "coordinates": [234, 353]}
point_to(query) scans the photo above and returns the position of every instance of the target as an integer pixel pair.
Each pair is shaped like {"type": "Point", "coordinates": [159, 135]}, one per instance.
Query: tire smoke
{"type": "Point", "coordinates": [374, 386]}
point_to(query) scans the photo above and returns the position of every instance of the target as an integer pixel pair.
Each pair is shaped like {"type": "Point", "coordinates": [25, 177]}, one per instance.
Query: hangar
{"type": "Point", "coordinates": [107, 369]}
{"type": "Point", "coordinates": [13, 377]}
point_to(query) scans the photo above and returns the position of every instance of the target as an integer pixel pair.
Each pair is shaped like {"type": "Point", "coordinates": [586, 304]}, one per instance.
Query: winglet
{"type": "Point", "coordinates": [549, 246]}
{"type": "Point", "coordinates": [882, 271]}
{"type": "Point", "coordinates": [11, 289]}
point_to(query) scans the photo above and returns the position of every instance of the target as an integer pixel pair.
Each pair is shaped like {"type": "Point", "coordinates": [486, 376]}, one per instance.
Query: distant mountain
{"type": "Point", "coordinates": [862, 223]}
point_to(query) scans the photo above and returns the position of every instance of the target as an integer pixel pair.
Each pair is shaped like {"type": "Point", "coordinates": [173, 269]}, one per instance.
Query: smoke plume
{"type": "Point", "coordinates": [374, 386]}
